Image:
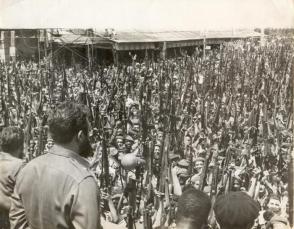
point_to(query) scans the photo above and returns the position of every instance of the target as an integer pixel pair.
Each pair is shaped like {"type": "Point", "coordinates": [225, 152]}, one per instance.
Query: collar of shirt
{"type": "Point", "coordinates": [7, 156]}
{"type": "Point", "coordinates": [63, 152]}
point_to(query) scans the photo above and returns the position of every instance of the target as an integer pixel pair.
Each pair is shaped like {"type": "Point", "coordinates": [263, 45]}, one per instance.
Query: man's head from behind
{"type": "Point", "coordinates": [236, 210]}
{"type": "Point", "coordinates": [69, 125]}
{"type": "Point", "coordinates": [11, 141]}
{"type": "Point", "coordinates": [193, 209]}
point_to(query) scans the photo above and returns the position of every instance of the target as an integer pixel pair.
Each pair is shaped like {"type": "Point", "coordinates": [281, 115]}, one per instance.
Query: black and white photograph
{"type": "Point", "coordinates": [143, 114]}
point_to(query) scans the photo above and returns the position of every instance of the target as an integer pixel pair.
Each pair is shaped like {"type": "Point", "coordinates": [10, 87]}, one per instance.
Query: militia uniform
{"type": "Point", "coordinates": [55, 190]}
{"type": "Point", "coordinates": [9, 168]}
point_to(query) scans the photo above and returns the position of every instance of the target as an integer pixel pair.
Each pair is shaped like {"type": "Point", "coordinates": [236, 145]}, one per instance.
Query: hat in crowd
{"type": "Point", "coordinates": [135, 121]}
{"type": "Point", "coordinates": [183, 163]}
{"type": "Point", "coordinates": [200, 159]}
{"type": "Point", "coordinates": [134, 104]}
{"type": "Point", "coordinates": [173, 156]}
{"type": "Point", "coordinates": [129, 138]}
{"type": "Point", "coordinates": [195, 178]}
{"type": "Point", "coordinates": [157, 143]}
{"type": "Point", "coordinates": [113, 151]}
{"type": "Point", "coordinates": [183, 173]}
{"type": "Point", "coordinates": [236, 210]}
{"type": "Point", "coordinates": [286, 145]}
{"type": "Point", "coordinates": [119, 137]}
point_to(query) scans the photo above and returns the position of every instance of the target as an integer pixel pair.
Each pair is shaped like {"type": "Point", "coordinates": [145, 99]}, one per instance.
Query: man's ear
{"type": "Point", "coordinates": [80, 135]}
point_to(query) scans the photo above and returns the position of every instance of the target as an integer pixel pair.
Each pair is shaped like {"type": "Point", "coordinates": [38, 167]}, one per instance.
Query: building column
{"type": "Point", "coordinates": [12, 51]}
{"type": "Point", "coordinates": [7, 46]}
{"type": "Point", "coordinates": [163, 51]}
{"type": "Point", "coordinates": [2, 50]}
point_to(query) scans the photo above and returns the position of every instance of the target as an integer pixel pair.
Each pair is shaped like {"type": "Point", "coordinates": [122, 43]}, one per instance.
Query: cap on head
{"type": "Point", "coordinates": [173, 156]}
{"type": "Point", "coordinates": [135, 121]}
{"type": "Point", "coordinates": [200, 159]}
{"type": "Point", "coordinates": [195, 178]}
{"type": "Point", "coordinates": [129, 138]}
{"type": "Point", "coordinates": [157, 143]}
{"type": "Point", "coordinates": [183, 163]}
{"type": "Point", "coordinates": [119, 137]}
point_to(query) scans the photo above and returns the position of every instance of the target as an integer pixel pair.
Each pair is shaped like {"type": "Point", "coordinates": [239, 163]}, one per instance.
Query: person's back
{"type": "Point", "coordinates": [49, 186]}
{"type": "Point", "coordinates": [11, 143]}
{"type": "Point", "coordinates": [9, 167]}
{"type": "Point", "coordinates": [57, 190]}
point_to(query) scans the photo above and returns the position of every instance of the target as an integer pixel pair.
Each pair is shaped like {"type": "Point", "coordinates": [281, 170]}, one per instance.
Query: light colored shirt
{"type": "Point", "coordinates": [9, 167]}
{"type": "Point", "coordinates": [55, 190]}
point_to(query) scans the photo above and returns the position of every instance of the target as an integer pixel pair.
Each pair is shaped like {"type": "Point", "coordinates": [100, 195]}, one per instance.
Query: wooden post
{"type": "Point", "coordinates": [164, 50]}
{"type": "Point", "coordinates": [45, 48]}
{"type": "Point", "coordinates": [89, 56]}
{"type": "Point", "coordinates": [204, 46]}
{"type": "Point", "coordinates": [12, 45]}
{"type": "Point", "coordinates": [6, 39]}
{"type": "Point", "coordinates": [39, 52]}
{"type": "Point", "coordinates": [115, 56]}
{"type": "Point", "coordinates": [2, 52]}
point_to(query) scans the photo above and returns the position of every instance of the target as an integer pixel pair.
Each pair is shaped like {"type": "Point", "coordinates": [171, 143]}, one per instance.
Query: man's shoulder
{"type": "Point", "coordinates": [63, 166]}
{"type": "Point", "coordinates": [9, 162]}
{"type": "Point", "coordinates": [81, 172]}
{"type": "Point", "coordinates": [7, 157]}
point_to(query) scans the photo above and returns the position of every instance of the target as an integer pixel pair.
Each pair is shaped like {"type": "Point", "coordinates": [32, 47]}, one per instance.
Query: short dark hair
{"type": "Point", "coordinates": [193, 206]}
{"type": "Point", "coordinates": [66, 120]}
{"type": "Point", "coordinates": [236, 210]}
{"type": "Point", "coordinates": [11, 139]}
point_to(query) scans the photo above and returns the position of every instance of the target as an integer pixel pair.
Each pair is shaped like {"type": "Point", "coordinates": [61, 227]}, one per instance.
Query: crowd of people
{"type": "Point", "coordinates": [197, 140]}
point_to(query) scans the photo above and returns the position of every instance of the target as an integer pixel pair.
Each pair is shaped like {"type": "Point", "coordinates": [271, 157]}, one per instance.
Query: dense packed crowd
{"type": "Point", "coordinates": [219, 123]}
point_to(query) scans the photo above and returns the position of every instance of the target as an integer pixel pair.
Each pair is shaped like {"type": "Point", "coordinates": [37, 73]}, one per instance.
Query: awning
{"type": "Point", "coordinates": [134, 46]}
{"type": "Point", "coordinates": [81, 40]}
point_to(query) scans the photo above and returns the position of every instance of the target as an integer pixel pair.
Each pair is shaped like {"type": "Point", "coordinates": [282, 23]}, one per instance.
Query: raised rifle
{"type": "Point", "coordinates": [225, 167]}
{"type": "Point", "coordinates": [290, 191]}
{"type": "Point", "coordinates": [214, 190]}
{"type": "Point", "coordinates": [64, 86]}
{"type": "Point", "coordinates": [205, 171]}
{"type": "Point", "coordinates": [28, 148]}
{"type": "Point", "coordinates": [4, 109]}
{"type": "Point", "coordinates": [42, 118]}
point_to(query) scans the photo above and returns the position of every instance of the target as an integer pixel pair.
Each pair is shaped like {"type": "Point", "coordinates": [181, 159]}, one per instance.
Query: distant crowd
{"type": "Point", "coordinates": [190, 141]}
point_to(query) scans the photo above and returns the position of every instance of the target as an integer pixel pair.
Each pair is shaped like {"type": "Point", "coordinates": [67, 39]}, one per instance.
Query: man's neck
{"type": "Point", "coordinates": [70, 147]}
{"type": "Point", "coordinates": [186, 224]}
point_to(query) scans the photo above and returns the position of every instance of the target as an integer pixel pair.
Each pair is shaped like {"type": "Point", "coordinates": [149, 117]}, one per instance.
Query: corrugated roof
{"type": "Point", "coordinates": [70, 38]}
{"type": "Point", "coordinates": [136, 36]}
{"type": "Point", "coordinates": [135, 40]}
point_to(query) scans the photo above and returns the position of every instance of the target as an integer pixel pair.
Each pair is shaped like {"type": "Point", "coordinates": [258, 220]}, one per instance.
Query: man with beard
{"type": "Point", "coordinates": [57, 190]}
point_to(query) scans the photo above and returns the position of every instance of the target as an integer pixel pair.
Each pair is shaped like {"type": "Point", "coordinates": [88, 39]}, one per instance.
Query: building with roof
{"type": "Point", "coordinates": [116, 46]}
{"type": "Point", "coordinates": [88, 46]}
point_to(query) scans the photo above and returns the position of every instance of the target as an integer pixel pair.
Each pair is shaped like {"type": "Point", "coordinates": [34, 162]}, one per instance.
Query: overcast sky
{"type": "Point", "coordinates": [147, 14]}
